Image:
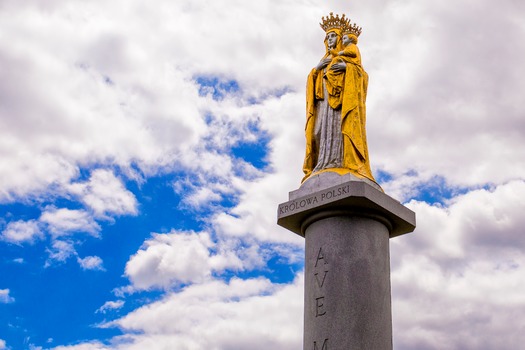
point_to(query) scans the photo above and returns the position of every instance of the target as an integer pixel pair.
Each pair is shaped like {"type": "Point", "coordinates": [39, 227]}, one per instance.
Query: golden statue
{"type": "Point", "coordinates": [335, 105]}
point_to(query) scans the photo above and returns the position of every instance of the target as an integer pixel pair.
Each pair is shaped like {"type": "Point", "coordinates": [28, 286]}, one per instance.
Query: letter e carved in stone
{"type": "Point", "coordinates": [319, 303]}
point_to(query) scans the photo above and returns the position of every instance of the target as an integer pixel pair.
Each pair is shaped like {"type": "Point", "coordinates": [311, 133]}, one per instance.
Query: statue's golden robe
{"type": "Point", "coordinates": [346, 94]}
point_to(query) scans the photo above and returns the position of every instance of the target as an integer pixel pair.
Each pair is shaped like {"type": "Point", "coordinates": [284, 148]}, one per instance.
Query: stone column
{"type": "Point", "coordinates": [347, 223]}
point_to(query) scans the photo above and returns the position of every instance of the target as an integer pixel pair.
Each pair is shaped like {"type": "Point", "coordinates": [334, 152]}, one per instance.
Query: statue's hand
{"type": "Point", "coordinates": [323, 63]}
{"type": "Point", "coordinates": [338, 67]}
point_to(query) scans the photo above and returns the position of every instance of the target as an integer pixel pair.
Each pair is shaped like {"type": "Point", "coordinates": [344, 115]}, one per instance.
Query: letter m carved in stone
{"type": "Point", "coordinates": [324, 347]}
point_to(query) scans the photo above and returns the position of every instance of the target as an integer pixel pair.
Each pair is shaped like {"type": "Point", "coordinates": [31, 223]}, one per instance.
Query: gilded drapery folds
{"type": "Point", "coordinates": [337, 87]}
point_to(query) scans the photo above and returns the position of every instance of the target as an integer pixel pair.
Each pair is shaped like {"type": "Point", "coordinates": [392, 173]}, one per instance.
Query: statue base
{"type": "Point", "coordinates": [346, 223]}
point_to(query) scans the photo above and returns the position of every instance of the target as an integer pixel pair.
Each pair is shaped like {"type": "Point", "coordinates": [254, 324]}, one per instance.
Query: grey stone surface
{"type": "Point", "coordinates": [354, 196]}
{"type": "Point", "coordinates": [347, 285]}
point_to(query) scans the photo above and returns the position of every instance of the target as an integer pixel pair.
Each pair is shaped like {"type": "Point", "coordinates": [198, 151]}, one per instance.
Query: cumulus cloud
{"type": "Point", "coordinates": [467, 258]}
{"type": "Point", "coordinates": [105, 194]}
{"type": "Point", "coordinates": [470, 225]}
{"type": "Point", "coordinates": [260, 315]}
{"type": "Point", "coordinates": [94, 111]}
{"type": "Point", "coordinates": [177, 258]}
{"type": "Point", "coordinates": [2, 344]}
{"type": "Point", "coordinates": [64, 222]}
{"type": "Point", "coordinates": [22, 231]}
{"type": "Point", "coordinates": [254, 214]}
{"type": "Point", "coordinates": [438, 108]}
{"type": "Point", "coordinates": [203, 196]}
{"type": "Point", "coordinates": [5, 298]}
{"type": "Point", "coordinates": [468, 309]}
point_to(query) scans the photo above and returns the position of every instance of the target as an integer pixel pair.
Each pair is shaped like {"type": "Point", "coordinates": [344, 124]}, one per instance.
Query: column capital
{"type": "Point", "coordinates": [354, 197]}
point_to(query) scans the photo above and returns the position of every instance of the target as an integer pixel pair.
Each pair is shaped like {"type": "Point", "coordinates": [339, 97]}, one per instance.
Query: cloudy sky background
{"type": "Point", "coordinates": [144, 148]}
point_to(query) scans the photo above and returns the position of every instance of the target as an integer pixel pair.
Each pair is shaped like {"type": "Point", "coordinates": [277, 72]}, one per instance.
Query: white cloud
{"type": "Point", "coordinates": [467, 259]}
{"type": "Point", "coordinates": [202, 196]}
{"type": "Point", "coordinates": [94, 111]}
{"type": "Point", "coordinates": [110, 305]}
{"type": "Point", "coordinates": [105, 194]}
{"type": "Point", "coordinates": [64, 222]}
{"type": "Point", "coordinates": [22, 231]}
{"type": "Point", "coordinates": [473, 224]}
{"type": "Point", "coordinates": [242, 314]}
{"type": "Point", "coordinates": [5, 298]}
{"type": "Point", "coordinates": [85, 346]}
{"type": "Point", "coordinates": [2, 344]}
{"type": "Point", "coordinates": [477, 307]}
{"type": "Point", "coordinates": [254, 217]}
{"type": "Point", "coordinates": [60, 251]}
{"type": "Point", "coordinates": [170, 258]}
{"type": "Point", "coordinates": [439, 115]}
{"type": "Point", "coordinates": [175, 258]}
{"type": "Point", "coordinates": [91, 263]}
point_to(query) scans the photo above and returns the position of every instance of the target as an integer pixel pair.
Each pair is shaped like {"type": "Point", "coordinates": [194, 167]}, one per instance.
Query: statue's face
{"type": "Point", "coordinates": [346, 40]}
{"type": "Point", "coordinates": [331, 39]}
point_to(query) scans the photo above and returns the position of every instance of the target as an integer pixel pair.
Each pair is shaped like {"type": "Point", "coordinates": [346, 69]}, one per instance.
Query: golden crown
{"type": "Point", "coordinates": [351, 29]}
{"type": "Point", "coordinates": [331, 22]}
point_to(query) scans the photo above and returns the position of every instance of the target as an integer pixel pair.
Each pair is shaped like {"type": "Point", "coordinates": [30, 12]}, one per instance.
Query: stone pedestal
{"type": "Point", "coordinates": [347, 223]}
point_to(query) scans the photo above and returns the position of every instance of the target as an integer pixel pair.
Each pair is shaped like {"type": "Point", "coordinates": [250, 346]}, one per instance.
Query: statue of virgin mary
{"type": "Point", "coordinates": [335, 105]}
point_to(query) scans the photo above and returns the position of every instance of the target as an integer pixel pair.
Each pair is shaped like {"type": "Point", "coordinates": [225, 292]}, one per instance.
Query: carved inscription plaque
{"type": "Point", "coordinates": [314, 200]}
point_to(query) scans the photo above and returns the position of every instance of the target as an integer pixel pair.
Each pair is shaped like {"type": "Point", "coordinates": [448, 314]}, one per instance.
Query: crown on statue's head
{"type": "Point", "coordinates": [331, 22]}
{"type": "Point", "coordinates": [351, 29]}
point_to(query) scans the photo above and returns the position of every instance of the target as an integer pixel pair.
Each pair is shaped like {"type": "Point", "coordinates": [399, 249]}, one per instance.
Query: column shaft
{"type": "Point", "coordinates": [347, 285]}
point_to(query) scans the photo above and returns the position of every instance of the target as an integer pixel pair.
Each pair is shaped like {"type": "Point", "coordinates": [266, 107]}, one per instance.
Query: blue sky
{"type": "Point", "coordinates": [145, 148]}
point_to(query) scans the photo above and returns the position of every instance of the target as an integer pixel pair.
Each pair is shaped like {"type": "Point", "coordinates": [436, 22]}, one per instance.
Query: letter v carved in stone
{"type": "Point", "coordinates": [320, 284]}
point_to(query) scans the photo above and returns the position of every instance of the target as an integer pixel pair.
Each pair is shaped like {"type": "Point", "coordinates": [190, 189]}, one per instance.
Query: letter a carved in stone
{"type": "Point", "coordinates": [320, 256]}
